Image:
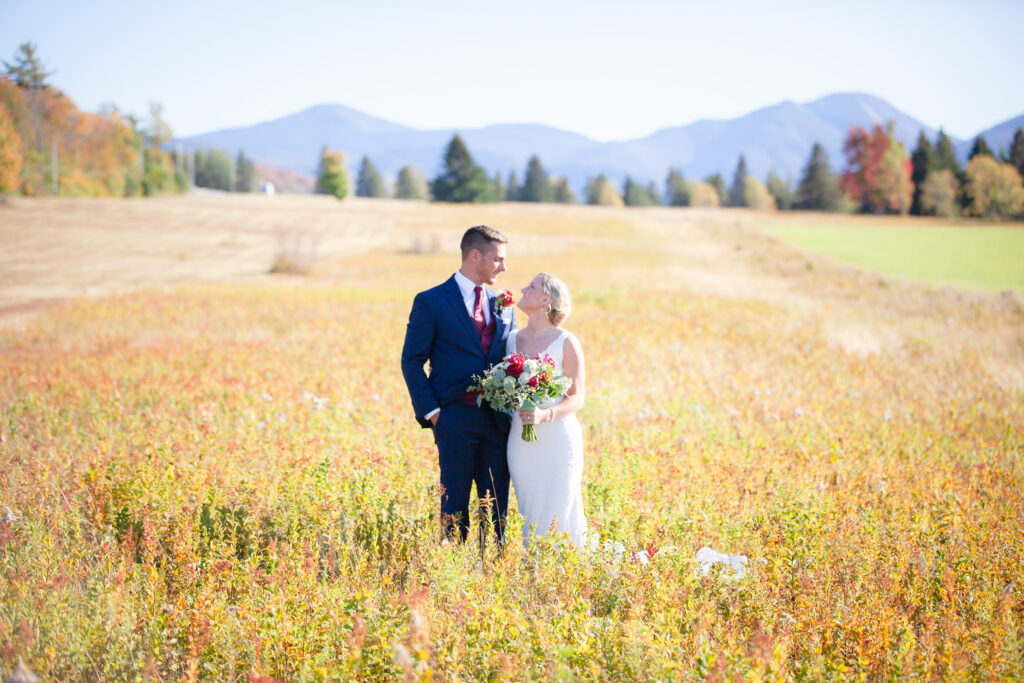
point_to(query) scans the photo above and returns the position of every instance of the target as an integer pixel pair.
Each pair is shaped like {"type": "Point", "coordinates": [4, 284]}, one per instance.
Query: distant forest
{"type": "Point", "coordinates": [49, 147]}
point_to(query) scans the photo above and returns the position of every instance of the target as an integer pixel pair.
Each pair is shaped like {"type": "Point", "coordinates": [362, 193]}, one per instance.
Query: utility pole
{"type": "Point", "coordinates": [192, 170]}
{"type": "Point", "coordinates": [179, 163]}
{"type": "Point", "coordinates": [55, 168]}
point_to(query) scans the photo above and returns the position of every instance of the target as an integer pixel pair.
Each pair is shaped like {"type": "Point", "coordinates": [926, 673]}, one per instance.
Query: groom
{"type": "Point", "coordinates": [454, 326]}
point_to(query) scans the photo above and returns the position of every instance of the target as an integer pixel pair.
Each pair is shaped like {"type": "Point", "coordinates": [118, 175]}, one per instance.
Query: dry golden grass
{"type": "Point", "coordinates": [223, 480]}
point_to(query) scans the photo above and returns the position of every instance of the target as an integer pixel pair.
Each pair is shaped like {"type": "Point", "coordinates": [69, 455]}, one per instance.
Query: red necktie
{"type": "Point", "coordinates": [478, 311]}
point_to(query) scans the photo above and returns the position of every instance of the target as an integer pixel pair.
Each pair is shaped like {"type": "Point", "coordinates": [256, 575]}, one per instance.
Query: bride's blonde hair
{"type": "Point", "coordinates": [561, 304]}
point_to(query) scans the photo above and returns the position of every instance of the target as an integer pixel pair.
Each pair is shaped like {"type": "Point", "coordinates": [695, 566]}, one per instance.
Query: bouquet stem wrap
{"type": "Point", "coordinates": [529, 431]}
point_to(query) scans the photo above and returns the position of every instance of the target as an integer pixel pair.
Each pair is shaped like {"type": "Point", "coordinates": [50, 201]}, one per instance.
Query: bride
{"type": "Point", "coordinates": [547, 473]}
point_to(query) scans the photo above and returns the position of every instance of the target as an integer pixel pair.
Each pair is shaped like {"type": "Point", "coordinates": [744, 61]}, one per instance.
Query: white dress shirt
{"type": "Point", "coordinates": [467, 287]}
{"type": "Point", "coordinates": [468, 290]}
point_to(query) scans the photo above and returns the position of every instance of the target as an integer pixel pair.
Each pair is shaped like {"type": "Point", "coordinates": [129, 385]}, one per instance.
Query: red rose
{"type": "Point", "coordinates": [534, 381]}
{"type": "Point", "coordinates": [515, 366]}
{"type": "Point", "coordinates": [505, 300]}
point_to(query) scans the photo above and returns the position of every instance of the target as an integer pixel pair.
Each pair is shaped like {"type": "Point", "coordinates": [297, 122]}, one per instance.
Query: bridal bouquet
{"type": "Point", "coordinates": [518, 382]}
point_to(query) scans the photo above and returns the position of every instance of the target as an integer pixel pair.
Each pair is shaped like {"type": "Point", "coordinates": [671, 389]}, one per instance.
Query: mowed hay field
{"type": "Point", "coordinates": [987, 257]}
{"type": "Point", "coordinates": [218, 476]}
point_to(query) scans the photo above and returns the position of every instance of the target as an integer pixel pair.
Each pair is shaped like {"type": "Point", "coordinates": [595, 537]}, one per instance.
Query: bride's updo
{"type": "Point", "coordinates": [561, 305]}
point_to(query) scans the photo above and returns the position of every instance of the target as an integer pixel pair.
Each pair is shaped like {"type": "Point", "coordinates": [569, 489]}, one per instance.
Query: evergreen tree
{"type": "Point", "coordinates": [594, 189]}
{"type": "Point", "coordinates": [27, 71]}
{"type": "Point", "coordinates": [410, 184]}
{"type": "Point", "coordinates": [368, 182]}
{"type": "Point", "coordinates": [818, 189]}
{"type": "Point", "coordinates": [945, 157]}
{"type": "Point", "coordinates": [460, 179]}
{"type": "Point", "coordinates": [512, 191]}
{"type": "Point", "coordinates": [499, 187]}
{"type": "Point", "coordinates": [980, 147]}
{"type": "Point", "coordinates": [245, 174]}
{"type": "Point", "coordinates": [921, 160]}
{"type": "Point", "coordinates": [331, 176]}
{"type": "Point", "coordinates": [214, 170]}
{"type": "Point", "coordinates": [635, 194]}
{"type": "Point", "coordinates": [739, 183]}
{"type": "Point", "coordinates": [536, 184]}
{"type": "Point", "coordinates": [563, 191]}
{"type": "Point", "coordinates": [677, 190]}
{"type": "Point", "coordinates": [1016, 155]}
{"type": "Point", "coordinates": [716, 181]}
{"type": "Point", "coordinates": [652, 191]}
{"type": "Point", "coordinates": [781, 191]}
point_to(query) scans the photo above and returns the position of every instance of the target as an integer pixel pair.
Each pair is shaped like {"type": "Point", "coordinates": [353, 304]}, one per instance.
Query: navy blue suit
{"type": "Point", "coordinates": [471, 440]}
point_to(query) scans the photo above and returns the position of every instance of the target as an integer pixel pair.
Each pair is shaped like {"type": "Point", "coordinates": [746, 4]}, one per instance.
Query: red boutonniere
{"type": "Point", "coordinates": [504, 300]}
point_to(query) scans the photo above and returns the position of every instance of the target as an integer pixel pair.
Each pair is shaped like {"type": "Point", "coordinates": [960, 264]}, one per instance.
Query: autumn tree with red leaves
{"type": "Point", "coordinates": [878, 170]}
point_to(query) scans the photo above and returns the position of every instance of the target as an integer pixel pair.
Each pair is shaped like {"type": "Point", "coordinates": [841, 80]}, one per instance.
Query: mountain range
{"type": "Point", "coordinates": [779, 136]}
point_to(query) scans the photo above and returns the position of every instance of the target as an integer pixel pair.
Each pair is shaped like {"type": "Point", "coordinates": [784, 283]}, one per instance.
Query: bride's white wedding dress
{"type": "Point", "coordinates": [547, 473]}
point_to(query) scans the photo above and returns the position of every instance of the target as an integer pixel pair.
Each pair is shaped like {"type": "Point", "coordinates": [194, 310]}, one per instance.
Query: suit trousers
{"type": "Point", "coordinates": [471, 445]}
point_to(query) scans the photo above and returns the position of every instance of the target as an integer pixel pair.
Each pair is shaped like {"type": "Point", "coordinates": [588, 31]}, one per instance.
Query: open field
{"type": "Point", "coordinates": [977, 257]}
{"type": "Point", "coordinates": [223, 478]}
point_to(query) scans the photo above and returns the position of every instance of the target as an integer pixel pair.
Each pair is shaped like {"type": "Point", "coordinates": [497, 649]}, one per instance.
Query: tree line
{"type": "Point", "coordinates": [213, 169]}
{"type": "Point", "coordinates": [878, 177]}
{"type": "Point", "coordinates": [48, 146]}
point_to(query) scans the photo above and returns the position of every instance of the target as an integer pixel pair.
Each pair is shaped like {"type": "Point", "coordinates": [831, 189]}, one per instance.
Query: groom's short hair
{"type": "Point", "coordinates": [480, 237]}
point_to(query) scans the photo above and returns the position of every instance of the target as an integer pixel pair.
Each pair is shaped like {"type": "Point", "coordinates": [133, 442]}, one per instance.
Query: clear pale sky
{"type": "Point", "coordinates": [609, 70]}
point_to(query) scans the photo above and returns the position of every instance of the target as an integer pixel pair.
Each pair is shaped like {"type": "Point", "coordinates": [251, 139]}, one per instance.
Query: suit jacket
{"type": "Point", "coordinates": [441, 331]}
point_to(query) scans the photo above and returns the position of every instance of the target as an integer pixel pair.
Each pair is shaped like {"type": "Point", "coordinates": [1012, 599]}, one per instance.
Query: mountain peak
{"type": "Point", "coordinates": [778, 136]}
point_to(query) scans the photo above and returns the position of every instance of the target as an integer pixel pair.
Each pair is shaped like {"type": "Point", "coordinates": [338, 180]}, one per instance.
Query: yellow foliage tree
{"type": "Point", "coordinates": [756, 195]}
{"type": "Point", "coordinates": [607, 195]}
{"type": "Point", "coordinates": [601, 192]}
{"type": "Point", "coordinates": [893, 184]}
{"type": "Point", "coordinates": [994, 188]}
{"type": "Point", "coordinates": [938, 193]}
{"type": "Point", "coordinates": [10, 153]}
{"type": "Point", "coordinates": [704, 195]}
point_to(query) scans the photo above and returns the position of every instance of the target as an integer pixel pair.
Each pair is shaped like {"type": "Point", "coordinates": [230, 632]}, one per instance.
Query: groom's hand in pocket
{"type": "Point", "coordinates": [433, 418]}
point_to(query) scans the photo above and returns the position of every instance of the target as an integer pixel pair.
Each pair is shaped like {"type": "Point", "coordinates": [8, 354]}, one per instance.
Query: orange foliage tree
{"type": "Point", "coordinates": [878, 170]}
{"type": "Point", "coordinates": [98, 154]}
{"type": "Point", "coordinates": [10, 153]}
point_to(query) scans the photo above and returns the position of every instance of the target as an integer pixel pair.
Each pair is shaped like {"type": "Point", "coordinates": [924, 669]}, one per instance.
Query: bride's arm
{"type": "Point", "coordinates": [574, 368]}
